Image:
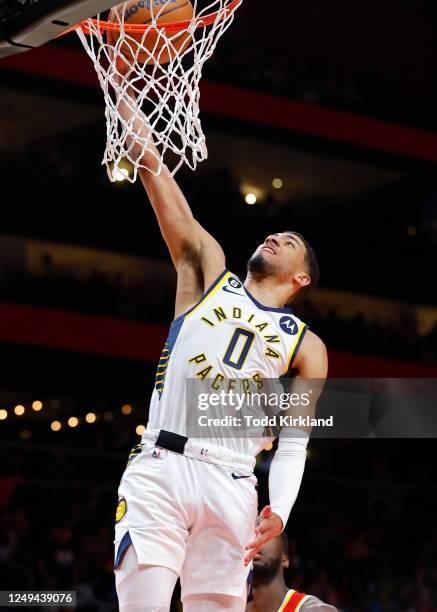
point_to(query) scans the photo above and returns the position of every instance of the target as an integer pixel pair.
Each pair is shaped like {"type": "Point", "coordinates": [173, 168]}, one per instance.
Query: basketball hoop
{"type": "Point", "coordinates": [154, 68]}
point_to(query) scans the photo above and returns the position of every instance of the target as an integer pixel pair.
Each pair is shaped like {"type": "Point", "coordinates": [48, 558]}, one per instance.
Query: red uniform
{"type": "Point", "coordinates": [293, 601]}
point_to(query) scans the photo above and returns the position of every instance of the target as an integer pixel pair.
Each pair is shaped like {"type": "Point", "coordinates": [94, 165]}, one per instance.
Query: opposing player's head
{"type": "Point", "coordinates": [272, 559]}
{"type": "Point", "coordinates": [289, 257]}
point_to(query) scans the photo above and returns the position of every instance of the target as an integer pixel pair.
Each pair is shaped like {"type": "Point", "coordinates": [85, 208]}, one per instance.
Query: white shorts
{"type": "Point", "coordinates": [190, 515]}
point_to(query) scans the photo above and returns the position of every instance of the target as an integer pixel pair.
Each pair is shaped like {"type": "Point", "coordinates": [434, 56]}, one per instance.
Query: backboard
{"type": "Point", "coordinates": [25, 24]}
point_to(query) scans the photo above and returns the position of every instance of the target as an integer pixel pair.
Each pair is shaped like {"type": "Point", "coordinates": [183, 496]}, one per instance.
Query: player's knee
{"type": "Point", "coordinates": [213, 602]}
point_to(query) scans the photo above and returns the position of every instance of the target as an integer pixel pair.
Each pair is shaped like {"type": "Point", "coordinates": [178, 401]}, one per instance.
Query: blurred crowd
{"type": "Point", "coordinates": [106, 295]}
{"type": "Point", "coordinates": [361, 537]}
{"type": "Point", "coordinates": [271, 54]}
{"type": "Point", "coordinates": [398, 339]}
{"type": "Point", "coordinates": [49, 545]}
{"type": "Point", "coordinates": [242, 61]}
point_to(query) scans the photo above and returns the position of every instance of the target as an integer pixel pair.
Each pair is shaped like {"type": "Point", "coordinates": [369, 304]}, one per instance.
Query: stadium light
{"type": "Point", "coordinates": [140, 429]}
{"type": "Point", "coordinates": [19, 410]}
{"type": "Point", "coordinates": [73, 421]}
{"type": "Point", "coordinates": [121, 174]}
{"type": "Point", "coordinates": [55, 426]}
{"type": "Point", "coordinates": [126, 409]}
{"type": "Point", "coordinates": [37, 405]}
{"type": "Point", "coordinates": [250, 198]}
{"type": "Point", "coordinates": [277, 183]}
{"type": "Point", "coordinates": [3, 414]}
{"type": "Point", "coordinates": [90, 417]}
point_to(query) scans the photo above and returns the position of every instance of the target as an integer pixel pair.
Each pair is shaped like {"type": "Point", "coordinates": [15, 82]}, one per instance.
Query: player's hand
{"type": "Point", "coordinates": [268, 527]}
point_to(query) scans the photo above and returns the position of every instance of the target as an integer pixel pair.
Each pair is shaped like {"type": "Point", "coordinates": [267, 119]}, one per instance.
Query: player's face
{"type": "Point", "coordinates": [281, 254]}
{"type": "Point", "coordinates": [269, 560]}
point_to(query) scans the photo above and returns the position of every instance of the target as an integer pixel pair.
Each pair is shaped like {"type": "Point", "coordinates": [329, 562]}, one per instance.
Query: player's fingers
{"type": "Point", "coordinates": [254, 543]}
{"type": "Point", "coordinates": [264, 534]}
{"type": "Point", "coordinates": [259, 528]}
{"type": "Point", "coordinates": [250, 555]}
{"type": "Point", "coordinates": [258, 533]}
{"type": "Point", "coordinates": [248, 559]}
{"type": "Point", "coordinates": [267, 531]}
{"type": "Point", "coordinates": [252, 550]}
{"type": "Point", "coordinates": [266, 512]}
{"type": "Point", "coordinates": [262, 527]}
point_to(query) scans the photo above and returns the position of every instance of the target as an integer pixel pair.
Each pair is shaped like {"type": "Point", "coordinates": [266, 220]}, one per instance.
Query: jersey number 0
{"type": "Point", "coordinates": [238, 348]}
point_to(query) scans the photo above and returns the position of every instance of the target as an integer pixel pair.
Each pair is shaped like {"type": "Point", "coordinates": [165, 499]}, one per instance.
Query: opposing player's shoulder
{"type": "Point", "coordinates": [314, 604]}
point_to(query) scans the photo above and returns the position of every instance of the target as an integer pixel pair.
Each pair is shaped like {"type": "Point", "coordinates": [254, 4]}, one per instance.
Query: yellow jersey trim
{"type": "Point", "coordinates": [286, 600]}
{"type": "Point", "coordinates": [215, 287]}
{"type": "Point", "coordinates": [293, 351]}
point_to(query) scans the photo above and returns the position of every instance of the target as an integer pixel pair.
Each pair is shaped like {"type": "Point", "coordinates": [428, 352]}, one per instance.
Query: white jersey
{"type": "Point", "coordinates": [227, 336]}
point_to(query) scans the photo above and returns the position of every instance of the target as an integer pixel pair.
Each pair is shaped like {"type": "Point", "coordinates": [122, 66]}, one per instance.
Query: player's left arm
{"type": "Point", "coordinates": [288, 464]}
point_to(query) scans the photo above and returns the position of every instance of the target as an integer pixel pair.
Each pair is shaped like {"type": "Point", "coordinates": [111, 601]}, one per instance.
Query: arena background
{"type": "Point", "coordinates": [337, 100]}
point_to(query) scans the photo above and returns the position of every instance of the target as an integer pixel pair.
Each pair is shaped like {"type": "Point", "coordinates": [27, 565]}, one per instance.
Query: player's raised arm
{"type": "Point", "coordinates": [197, 256]}
{"type": "Point", "coordinates": [188, 242]}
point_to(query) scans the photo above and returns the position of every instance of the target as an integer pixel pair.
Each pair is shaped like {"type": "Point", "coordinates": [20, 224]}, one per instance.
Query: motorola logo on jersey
{"type": "Point", "coordinates": [288, 325]}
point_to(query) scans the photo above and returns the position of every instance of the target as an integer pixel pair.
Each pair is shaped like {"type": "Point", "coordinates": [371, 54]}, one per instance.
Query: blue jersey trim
{"type": "Point", "coordinates": [262, 307]}
{"type": "Point", "coordinates": [296, 348]}
{"type": "Point", "coordinates": [250, 585]}
{"type": "Point", "coordinates": [164, 360]}
{"type": "Point", "coordinates": [122, 548]}
{"type": "Point", "coordinates": [173, 333]}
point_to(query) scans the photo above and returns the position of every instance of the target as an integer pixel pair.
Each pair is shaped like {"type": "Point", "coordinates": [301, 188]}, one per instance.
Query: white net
{"type": "Point", "coordinates": [164, 96]}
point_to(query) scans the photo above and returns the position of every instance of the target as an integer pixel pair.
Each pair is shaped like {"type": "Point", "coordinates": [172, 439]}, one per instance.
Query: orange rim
{"type": "Point", "coordinates": [138, 28]}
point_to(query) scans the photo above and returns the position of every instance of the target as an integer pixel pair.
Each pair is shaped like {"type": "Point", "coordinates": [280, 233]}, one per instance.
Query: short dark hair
{"type": "Point", "coordinates": [313, 270]}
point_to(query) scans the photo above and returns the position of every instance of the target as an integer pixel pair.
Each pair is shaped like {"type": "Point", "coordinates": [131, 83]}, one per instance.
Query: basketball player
{"type": "Point", "coordinates": [187, 507]}
{"type": "Point", "coordinates": [269, 591]}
